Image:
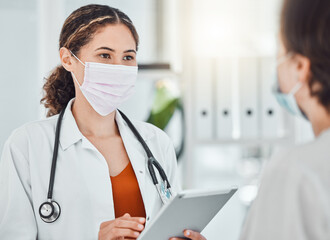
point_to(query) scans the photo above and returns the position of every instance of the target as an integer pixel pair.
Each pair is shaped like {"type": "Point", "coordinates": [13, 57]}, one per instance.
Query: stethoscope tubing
{"type": "Point", "coordinates": [152, 162]}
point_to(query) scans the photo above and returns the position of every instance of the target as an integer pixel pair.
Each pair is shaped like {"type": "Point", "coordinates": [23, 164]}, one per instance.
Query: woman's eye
{"type": "Point", "coordinates": [128, 58]}
{"type": "Point", "coordinates": [105, 55]}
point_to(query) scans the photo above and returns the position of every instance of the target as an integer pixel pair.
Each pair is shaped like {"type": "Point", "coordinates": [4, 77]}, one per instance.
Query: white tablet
{"type": "Point", "coordinates": [187, 210]}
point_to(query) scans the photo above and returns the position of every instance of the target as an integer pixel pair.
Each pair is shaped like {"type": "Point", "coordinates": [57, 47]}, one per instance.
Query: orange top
{"type": "Point", "coordinates": [126, 194]}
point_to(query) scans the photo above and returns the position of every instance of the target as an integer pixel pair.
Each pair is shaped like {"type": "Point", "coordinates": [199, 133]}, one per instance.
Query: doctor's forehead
{"type": "Point", "coordinates": [116, 37]}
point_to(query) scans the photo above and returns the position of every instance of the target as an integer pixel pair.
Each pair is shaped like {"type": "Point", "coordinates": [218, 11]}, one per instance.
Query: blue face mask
{"type": "Point", "coordinates": [288, 101]}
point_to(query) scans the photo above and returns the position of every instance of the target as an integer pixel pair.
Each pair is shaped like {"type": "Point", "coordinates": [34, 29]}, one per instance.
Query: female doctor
{"type": "Point", "coordinates": [102, 186]}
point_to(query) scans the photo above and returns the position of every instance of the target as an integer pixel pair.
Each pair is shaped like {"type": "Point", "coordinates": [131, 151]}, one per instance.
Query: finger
{"type": "Point", "coordinates": [106, 223]}
{"type": "Point", "coordinates": [120, 223]}
{"type": "Point", "coordinates": [137, 219]}
{"type": "Point", "coordinates": [123, 233]}
{"type": "Point", "coordinates": [126, 215]}
{"type": "Point", "coordinates": [193, 235]}
{"type": "Point", "coordinates": [123, 223]}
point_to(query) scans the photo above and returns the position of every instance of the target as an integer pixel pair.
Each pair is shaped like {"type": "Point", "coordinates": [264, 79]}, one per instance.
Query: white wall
{"type": "Point", "coordinates": [19, 92]}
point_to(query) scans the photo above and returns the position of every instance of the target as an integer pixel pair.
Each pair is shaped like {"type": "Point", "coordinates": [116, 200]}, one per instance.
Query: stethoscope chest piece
{"type": "Point", "coordinates": [49, 211]}
{"type": "Point", "coordinates": [164, 192]}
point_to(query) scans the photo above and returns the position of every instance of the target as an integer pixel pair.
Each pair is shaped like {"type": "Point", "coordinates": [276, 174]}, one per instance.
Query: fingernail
{"type": "Point", "coordinates": [140, 226]}
{"type": "Point", "coordinates": [136, 233]}
{"type": "Point", "coordinates": [142, 220]}
{"type": "Point", "coordinates": [187, 233]}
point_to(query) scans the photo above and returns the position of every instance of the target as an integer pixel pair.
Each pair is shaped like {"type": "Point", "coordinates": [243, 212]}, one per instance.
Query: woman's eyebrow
{"type": "Point", "coordinates": [130, 50]}
{"type": "Point", "coordinates": [106, 48]}
{"type": "Point", "coordinates": [112, 50]}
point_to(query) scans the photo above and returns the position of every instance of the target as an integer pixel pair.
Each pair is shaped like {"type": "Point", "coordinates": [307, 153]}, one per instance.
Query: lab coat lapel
{"type": "Point", "coordinates": [138, 158]}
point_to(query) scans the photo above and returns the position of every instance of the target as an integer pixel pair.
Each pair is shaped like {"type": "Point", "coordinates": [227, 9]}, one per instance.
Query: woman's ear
{"type": "Point", "coordinates": [303, 68]}
{"type": "Point", "coordinates": [66, 59]}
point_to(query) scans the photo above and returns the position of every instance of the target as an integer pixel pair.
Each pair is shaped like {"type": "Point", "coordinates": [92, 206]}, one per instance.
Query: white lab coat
{"type": "Point", "coordinates": [294, 196]}
{"type": "Point", "coordinates": [82, 182]}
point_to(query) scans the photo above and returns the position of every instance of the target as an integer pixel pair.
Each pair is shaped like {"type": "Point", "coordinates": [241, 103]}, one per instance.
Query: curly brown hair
{"type": "Point", "coordinates": [305, 30]}
{"type": "Point", "coordinates": [77, 31]}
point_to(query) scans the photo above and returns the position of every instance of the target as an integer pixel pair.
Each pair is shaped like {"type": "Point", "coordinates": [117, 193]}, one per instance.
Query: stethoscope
{"type": "Point", "coordinates": [50, 210]}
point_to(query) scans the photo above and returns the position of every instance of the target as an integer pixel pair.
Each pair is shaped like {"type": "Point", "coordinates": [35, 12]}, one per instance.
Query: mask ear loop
{"type": "Point", "coordinates": [280, 62]}
{"type": "Point", "coordinates": [74, 77]}
{"type": "Point", "coordinates": [296, 88]}
{"type": "Point", "coordinates": [284, 58]}
{"type": "Point", "coordinates": [77, 58]}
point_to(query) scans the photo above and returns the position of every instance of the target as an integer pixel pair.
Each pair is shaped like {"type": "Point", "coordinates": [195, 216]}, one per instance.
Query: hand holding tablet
{"type": "Point", "coordinates": [189, 210]}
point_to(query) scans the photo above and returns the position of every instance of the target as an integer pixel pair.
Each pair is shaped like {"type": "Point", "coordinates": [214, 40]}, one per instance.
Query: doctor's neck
{"type": "Point", "coordinates": [90, 123]}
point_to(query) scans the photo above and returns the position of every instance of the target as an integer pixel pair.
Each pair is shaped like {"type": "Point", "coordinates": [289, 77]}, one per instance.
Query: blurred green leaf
{"type": "Point", "coordinates": [164, 106]}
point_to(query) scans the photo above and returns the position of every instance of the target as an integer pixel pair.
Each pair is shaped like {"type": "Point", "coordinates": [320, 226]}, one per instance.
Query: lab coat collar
{"type": "Point", "coordinates": [70, 133]}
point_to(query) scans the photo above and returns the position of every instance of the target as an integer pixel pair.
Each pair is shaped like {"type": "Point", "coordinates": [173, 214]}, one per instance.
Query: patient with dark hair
{"type": "Point", "coordinates": [294, 196]}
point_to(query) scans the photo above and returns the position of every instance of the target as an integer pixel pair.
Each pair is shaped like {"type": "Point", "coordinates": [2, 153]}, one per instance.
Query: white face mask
{"type": "Point", "coordinates": [107, 86]}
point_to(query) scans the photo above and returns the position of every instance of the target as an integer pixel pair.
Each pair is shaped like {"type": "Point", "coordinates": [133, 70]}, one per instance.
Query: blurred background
{"type": "Point", "coordinates": [206, 69]}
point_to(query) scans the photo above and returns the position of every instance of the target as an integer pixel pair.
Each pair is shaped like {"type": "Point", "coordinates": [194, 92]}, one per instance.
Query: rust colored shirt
{"type": "Point", "coordinates": [126, 193]}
